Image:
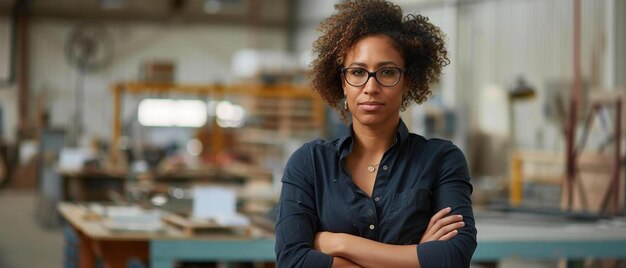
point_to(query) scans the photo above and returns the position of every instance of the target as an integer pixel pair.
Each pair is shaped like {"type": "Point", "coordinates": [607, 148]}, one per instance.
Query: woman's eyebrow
{"type": "Point", "coordinates": [378, 65]}
{"type": "Point", "coordinates": [386, 63]}
{"type": "Point", "coordinates": [358, 64]}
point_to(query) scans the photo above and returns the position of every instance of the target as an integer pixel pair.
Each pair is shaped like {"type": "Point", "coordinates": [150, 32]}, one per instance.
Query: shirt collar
{"type": "Point", "coordinates": [344, 145]}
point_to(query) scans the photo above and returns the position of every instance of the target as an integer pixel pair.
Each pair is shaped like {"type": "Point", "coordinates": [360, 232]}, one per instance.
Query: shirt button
{"type": "Point", "coordinates": [371, 226]}
{"type": "Point", "coordinates": [385, 167]}
{"type": "Point", "coordinates": [377, 199]}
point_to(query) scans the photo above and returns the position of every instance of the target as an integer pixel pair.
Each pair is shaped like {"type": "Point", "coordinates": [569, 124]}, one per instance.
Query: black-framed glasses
{"type": "Point", "coordinates": [386, 76]}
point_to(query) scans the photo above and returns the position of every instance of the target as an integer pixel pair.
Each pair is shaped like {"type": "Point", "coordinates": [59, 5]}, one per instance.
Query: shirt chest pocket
{"type": "Point", "coordinates": [410, 212]}
{"type": "Point", "coordinates": [412, 201]}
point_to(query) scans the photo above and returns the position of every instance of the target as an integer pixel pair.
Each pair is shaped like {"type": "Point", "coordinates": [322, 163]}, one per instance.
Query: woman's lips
{"type": "Point", "coordinates": [371, 106]}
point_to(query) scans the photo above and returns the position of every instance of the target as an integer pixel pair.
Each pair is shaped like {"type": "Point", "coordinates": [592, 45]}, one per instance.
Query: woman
{"type": "Point", "coordinates": [381, 196]}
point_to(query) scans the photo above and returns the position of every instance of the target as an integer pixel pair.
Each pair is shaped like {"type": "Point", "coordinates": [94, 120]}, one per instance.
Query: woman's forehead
{"type": "Point", "coordinates": [373, 51]}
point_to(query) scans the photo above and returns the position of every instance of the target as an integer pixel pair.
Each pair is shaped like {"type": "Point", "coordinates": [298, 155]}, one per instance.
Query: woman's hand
{"type": "Point", "coordinates": [442, 227]}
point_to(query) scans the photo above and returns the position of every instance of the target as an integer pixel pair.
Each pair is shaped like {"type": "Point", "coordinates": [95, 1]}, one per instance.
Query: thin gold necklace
{"type": "Point", "coordinates": [371, 168]}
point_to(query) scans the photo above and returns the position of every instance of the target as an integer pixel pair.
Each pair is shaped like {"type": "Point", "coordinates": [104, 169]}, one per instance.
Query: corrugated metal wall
{"type": "Point", "coordinates": [502, 40]}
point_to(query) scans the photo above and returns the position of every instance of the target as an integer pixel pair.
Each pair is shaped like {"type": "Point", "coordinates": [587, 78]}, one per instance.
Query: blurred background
{"type": "Point", "coordinates": [145, 103]}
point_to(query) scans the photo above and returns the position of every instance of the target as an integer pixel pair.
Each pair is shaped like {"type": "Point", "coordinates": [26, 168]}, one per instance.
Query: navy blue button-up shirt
{"type": "Point", "coordinates": [416, 178]}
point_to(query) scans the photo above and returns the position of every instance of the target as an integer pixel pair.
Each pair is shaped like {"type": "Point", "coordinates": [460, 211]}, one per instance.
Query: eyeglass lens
{"type": "Point", "coordinates": [387, 76]}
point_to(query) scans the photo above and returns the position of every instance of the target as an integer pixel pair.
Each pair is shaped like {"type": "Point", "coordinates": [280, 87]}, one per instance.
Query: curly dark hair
{"type": "Point", "coordinates": [420, 42]}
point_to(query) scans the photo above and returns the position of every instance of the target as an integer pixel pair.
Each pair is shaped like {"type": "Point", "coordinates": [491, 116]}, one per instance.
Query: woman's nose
{"type": "Point", "coordinates": [371, 86]}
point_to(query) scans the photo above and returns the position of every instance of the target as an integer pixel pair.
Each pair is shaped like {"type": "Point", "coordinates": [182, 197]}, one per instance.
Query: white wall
{"type": "Point", "coordinates": [202, 54]}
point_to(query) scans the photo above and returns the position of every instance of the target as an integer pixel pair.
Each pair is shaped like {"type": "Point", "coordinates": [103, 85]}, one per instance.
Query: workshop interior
{"type": "Point", "coordinates": [155, 133]}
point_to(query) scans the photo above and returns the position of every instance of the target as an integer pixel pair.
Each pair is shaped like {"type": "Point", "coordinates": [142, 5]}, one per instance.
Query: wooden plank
{"type": "Point", "coordinates": [76, 215]}
{"type": "Point", "coordinates": [193, 227]}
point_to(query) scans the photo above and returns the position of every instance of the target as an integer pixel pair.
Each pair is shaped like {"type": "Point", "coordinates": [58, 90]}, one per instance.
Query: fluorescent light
{"type": "Point", "coordinates": [190, 113]}
{"type": "Point", "coordinates": [156, 112]}
{"type": "Point", "coordinates": [172, 113]}
{"type": "Point", "coordinates": [229, 115]}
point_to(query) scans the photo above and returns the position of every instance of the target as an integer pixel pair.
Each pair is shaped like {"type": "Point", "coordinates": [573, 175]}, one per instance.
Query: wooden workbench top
{"type": "Point", "coordinates": [93, 225]}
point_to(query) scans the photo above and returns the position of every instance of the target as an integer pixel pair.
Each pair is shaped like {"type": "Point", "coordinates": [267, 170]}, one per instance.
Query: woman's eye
{"type": "Point", "coordinates": [388, 72]}
{"type": "Point", "coordinates": [358, 72]}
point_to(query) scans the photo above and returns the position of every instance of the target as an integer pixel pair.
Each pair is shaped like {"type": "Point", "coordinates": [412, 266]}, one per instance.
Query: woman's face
{"type": "Point", "coordinates": [374, 104]}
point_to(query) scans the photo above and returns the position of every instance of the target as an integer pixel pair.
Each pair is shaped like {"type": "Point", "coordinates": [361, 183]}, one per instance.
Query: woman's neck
{"type": "Point", "coordinates": [373, 141]}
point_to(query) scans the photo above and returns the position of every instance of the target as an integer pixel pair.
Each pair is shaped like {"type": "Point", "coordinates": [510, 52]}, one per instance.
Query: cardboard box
{"type": "Point", "coordinates": [157, 72]}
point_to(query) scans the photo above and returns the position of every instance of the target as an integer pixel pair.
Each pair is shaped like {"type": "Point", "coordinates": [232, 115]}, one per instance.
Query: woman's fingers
{"type": "Point", "coordinates": [447, 228]}
{"type": "Point", "coordinates": [447, 221]}
{"type": "Point", "coordinates": [449, 235]}
{"type": "Point", "coordinates": [440, 214]}
{"type": "Point", "coordinates": [442, 227]}
{"type": "Point", "coordinates": [438, 225]}
{"type": "Point", "coordinates": [434, 219]}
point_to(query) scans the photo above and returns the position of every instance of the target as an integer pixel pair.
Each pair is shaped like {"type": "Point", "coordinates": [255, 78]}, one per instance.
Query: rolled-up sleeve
{"type": "Point", "coordinates": [452, 189]}
{"type": "Point", "coordinates": [297, 221]}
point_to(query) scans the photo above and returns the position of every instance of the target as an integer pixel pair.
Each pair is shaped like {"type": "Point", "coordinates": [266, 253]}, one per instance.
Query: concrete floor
{"type": "Point", "coordinates": [23, 242]}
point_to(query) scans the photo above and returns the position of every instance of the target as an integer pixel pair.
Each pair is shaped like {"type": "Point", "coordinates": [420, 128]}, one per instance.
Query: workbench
{"type": "Point", "coordinates": [500, 236]}
{"type": "Point", "coordinates": [504, 235]}
{"type": "Point", "coordinates": [160, 249]}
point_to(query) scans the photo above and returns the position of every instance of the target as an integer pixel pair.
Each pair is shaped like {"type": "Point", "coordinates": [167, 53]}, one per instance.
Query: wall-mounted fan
{"type": "Point", "coordinates": [88, 48]}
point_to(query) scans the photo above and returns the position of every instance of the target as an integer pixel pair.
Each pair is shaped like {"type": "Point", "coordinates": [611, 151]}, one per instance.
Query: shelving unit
{"type": "Point", "coordinates": [276, 112]}
{"type": "Point", "coordinates": [277, 116]}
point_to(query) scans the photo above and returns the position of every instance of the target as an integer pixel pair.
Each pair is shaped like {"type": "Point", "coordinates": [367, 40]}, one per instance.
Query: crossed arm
{"type": "Point", "coordinates": [345, 252]}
